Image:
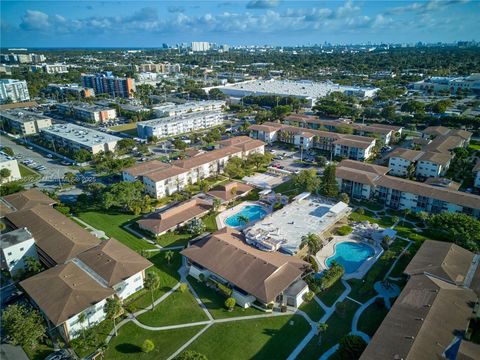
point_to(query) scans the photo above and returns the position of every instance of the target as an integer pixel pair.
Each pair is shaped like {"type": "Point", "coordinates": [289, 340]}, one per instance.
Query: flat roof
{"type": "Point", "coordinates": [307, 89]}
{"type": "Point", "coordinates": [14, 237]}
{"type": "Point", "coordinates": [178, 118]}
{"type": "Point", "coordinates": [23, 116]}
{"type": "Point", "coordinates": [85, 106]}
{"type": "Point", "coordinates": [284, 228]}
{"type": "Point", "coordinates": [80, 135]}
{"type": "Point", "coordinates": [191, 105]}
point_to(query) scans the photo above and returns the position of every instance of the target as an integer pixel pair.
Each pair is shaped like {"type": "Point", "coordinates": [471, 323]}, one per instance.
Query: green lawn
{"type": "Point", "coordinates": [362, 290]}
{"type": "Point", "coordinates": [406, 230]}
{"type": "Point", "coordinates": [130, 129]}
{"type": "Point", "coordinates": [371, 319]}
{"type": "Point", "coordinates": [169, 277]}
{"type": "Point", "coordinates": [366, 216]}
{"type": "Point", "coordinates": [405, 259]}
{"type": "Point", "coordinates": [100, 332]}
{"type": "Point", "coordinates": [174, 238]}
{"type": "Point", "coordinates": [268, 338]}
{"type": "Point", "coordinates": [111, 223]}
{"type": "Point", "coordinates": [313, 310]}
{"type": "Point", "coordinates": [214, 302]}
{"type": "Point", "coordinates": [27, 174]}
{"type": "Point", "coordinates": [127, 344]}
{"type": "Point", "coordinates": [39, 352]}
{"type": "Point", "coordinates": [338, 326]}
{"type": "Point", "coordinates": [210, 223]}
{"type": "Point", "coordinates": [330, 295]}
{"type": "Point", "coordinates": [178, 308]}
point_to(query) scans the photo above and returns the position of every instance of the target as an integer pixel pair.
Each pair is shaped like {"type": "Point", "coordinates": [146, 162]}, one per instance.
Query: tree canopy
{"type": "Point", "coordinates": [462, 229]}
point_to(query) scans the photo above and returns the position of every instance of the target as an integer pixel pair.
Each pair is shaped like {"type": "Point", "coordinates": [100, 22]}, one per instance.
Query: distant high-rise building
{"type": "Point", "coordinates": [200, 46]}
{"type": "Point", "coordinates": [106, 83]}
{"type": "Point", "coordinates": [164, 68]}
{"type": "Point", "coordinates": [13, 90]}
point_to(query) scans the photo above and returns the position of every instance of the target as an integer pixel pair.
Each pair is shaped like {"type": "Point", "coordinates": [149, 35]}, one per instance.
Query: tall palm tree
{"type": "Point", "coordinates": [113, 309]}
{"type": "Point", "coordinates": [152, 283]}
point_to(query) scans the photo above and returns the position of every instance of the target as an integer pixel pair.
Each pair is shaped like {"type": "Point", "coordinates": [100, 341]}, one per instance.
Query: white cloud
{"type": "Point", "coordinates": [34, 20]}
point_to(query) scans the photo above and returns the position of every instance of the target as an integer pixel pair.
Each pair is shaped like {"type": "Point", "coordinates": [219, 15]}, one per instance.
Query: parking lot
{"type": "Point", "coordinates": [52, 170]}
{"type": "Point", "coordinates": [290, 159]}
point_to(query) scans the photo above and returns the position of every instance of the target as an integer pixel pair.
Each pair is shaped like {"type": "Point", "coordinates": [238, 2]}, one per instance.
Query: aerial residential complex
{"type": "Point", "coordinates": [171, 109]}
{"type": "Point", "coordinates": [451, 84]}
{"type": "Point", "coordinates": [106, 83]}
{"type": "Point", "coordinates": [264, 277]}
{"type": "Point", "coordinates": [435, 157]}
{"type": "Point", "coordinates": [79, 265]}
{"type": "Point", "coordinates": [13, 91]}
{"type": "Point", "coordinates": [24, 122]}
{"type": "Point", "coordinates": [367, 181]}
{"type": "Point", "coordinates": [308, 90]}
{"type": "Point", "coordinates": [86, 112]}
{"type": "Point", "coordinates": [162, 179]}
{"type": "Point", "coordinates": [179, 124]}
{"type": "Point", "coordinates": [342, 145]}
{"type": "Point", "coordinates": [74, 137]}
{"type": "Point", "coordinates": [433, 310]}
{"type": "Point", "coordinates": [387, 133]}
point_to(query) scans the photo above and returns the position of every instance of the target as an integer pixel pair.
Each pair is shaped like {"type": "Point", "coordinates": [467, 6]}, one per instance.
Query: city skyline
{"type": "Point", "coordinates": [257, 22]}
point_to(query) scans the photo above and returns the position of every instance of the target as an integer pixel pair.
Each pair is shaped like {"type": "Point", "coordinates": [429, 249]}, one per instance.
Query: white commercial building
{"type": "Point", "coordinates": [51, 68]}
{"type": "Point", "coordinates": [180, 124]}
{"type": "Point", "coordinates": [308, 90]}
{"type": "Point", "coordinates": [11, 164]}
{"type": "Point", "coordinates": [200, 46]}
{"type": "Point", "coordinates": [16, 246]}
{"type": "Point", "coordinates": [171, 109]}
{"type": "Point", "coordinates": [453, 84]}
{"type": "Point", "coordinates": [75, 137]}
{"type": "Point", "coordinates": [13, 90]}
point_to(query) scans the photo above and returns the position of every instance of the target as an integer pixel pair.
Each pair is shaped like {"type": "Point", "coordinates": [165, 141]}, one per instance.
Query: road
{"type": "Point", "coordinates": [54, 173]}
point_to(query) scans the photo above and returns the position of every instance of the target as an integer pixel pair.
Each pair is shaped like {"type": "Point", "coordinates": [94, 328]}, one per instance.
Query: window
{"type": "Point", "coordinates": [21, 249]}
{"type": "Point", "coordinates": [10, 253]}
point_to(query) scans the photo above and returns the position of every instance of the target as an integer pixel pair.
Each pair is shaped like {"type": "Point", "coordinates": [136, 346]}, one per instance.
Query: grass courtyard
{"type": "Point", "coordinates": [252, 339]}
{"type": "Point", "coordinates": [111, 223]}
{"type": "Point", "coordinates": [129, 129]}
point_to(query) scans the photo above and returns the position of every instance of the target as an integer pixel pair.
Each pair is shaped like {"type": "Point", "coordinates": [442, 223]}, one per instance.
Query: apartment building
{"type": "Point", "coordinates": [106, 83]}
{"type": "Point", "coordinates": [23, 122]}
{"type": "Point", "coordinates": [387, 133]}
{"type": "Point", "coordinates": [342, 145]}
{"type": "Point", "coordinates": [51, 68]}
{"type": "Point", "coordinates": [13, 91]}
{"type": "Point", "coordinates": [438, 143]}
{"type": "Point", "coordinates": [86, 112]}
{"type": "Point", "coordinates": [171, 109]}
{"type": "Point", "coordinates": [75, 137]}
{"type": "Point", "coordinates": [367, 181]}
{"type": "Point", "coordinates": [15, 247]}
{"type": "Point", "coordinates": [162, 179]}
{"type": "Point", "coordinates": [80, 266]}
{"type": "Point", "coordinates": [11, 164]}
{"type": "Point", "coordinates": [179, 124]}
{"type": "Point", "coordinates": [163, 68]}
{"type": "Point", "coordinates": [69, 89]}
{"type": "Point", "coordinates": [198, 46]}
{"type": "Point", "coordinates": [469, 83]}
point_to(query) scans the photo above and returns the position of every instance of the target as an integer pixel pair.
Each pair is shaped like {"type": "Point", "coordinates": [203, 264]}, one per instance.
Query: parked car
{"type": "Point", "coordinates": [49, 156]}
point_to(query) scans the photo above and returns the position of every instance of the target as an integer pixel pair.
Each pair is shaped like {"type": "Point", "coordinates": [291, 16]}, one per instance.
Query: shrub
{"type": "Point", "coordinates": [230, 303]}
{"type": "Point", "coordinates": [344, 230]}
{"type": "Point", "coordinates": [191, 355]}
{"type": "Point", "coordinates": [201, 277]}
{"type": "Point", "coordinates": [360, 211]}
{"type": "Point", "coordinates": [308, 296]}
{"type": "Point", "coordinates": [312, 262]}
{"type": "Point", "coordinates": [224, 289]}
{"type": "Point", "coordinates": [148, 346]}
{"type": "Point", "coordinates": [351, 347]}
{"type": "Point", "coordinates": [183, 287]}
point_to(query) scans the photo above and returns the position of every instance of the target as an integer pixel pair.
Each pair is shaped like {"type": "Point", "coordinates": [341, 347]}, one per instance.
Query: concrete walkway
{"type": "Point", "coordinates": [98, 233]}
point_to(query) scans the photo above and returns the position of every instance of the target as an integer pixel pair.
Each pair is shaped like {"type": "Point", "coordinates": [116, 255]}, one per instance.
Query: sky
{"type": "Point", "coordinates": [78, 23]}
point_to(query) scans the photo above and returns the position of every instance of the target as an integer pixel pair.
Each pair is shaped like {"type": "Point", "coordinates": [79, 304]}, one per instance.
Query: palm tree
{"type": "Point", "coordinates": [243, 219]}
{"type": "Point", "coordinates": [313, 241]}
{"type": "Point", "coordinates": [216, 204]}
{"type": "Point", "coordinates": [113, 309]}
{"type": "Point", "coordinates": [406, 212]}
{"type": "Point", "coordinates": [321, 328]}
{"type": "Point", "coordinates": [82, 319]}
{"type": "Point", "coordinates": [152, 283]}
{"type": "Point", "coordinates": [169, 256]}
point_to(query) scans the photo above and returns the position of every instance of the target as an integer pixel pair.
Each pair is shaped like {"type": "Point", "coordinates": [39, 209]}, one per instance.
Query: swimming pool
{"type": "Point", "coordinates": [350, 255]}
{"type": "Point", "coordinates": [252, 212]}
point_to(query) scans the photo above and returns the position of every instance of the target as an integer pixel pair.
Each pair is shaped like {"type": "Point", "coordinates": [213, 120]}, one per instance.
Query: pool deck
{"type": "Point", "coordinates": [329, 250]}
{"type": "Point", "coordinates": [220, 219]}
